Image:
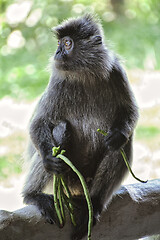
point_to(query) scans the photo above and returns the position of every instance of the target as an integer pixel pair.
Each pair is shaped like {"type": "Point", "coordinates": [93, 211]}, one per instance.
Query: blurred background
{"type": "Point", "coordinates": [132, 30]}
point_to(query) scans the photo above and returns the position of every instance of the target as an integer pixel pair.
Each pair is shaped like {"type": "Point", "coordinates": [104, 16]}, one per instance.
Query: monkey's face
{"type": "Point", "coordinates": [78, 54]}
{"type": "Point", "coordinates": [80, 45]}
{"type": "Point", "coordinates": [64, 53]}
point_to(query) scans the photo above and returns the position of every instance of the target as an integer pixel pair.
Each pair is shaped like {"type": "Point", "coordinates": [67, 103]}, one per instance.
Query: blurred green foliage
{"type": "Point", "coordinates": [9, 166]}
{"type": "Point", "coordinates": [26, 40]}
{"type": "Point", "coordinates": [11, 161]}
{"type": "Point", "coordinates": [147, 132]}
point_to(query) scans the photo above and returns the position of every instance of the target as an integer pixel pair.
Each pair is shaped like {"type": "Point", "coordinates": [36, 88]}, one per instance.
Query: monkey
{"type": "Point", "coordinates": [88, 89]}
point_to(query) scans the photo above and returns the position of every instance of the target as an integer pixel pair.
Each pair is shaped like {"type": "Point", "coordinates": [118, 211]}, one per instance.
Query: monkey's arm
{"type": "Point", "coordinates": [41, 134]}
{"type": "Point", "coordinates": [121, 128]}
{"type": "Point", "coordinates": [38, 177]}
{"type": "Point", "coordinates": [36, 181]}
{"type": "Point", "coordinates": [126, 113]}
{"type": "Point", "coordinates": [45, 135]}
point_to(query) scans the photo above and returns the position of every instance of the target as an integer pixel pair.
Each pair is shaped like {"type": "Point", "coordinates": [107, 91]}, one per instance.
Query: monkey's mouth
{"type": "Point", "coordinates": [61, 65]}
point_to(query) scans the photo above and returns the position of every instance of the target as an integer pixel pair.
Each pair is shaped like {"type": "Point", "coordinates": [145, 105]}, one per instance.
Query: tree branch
{"type": "Point", "coordinates": [133, 213]}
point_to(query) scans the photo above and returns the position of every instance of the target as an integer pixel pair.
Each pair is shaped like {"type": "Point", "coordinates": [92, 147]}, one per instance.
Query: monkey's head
{"type": "Point", "coordinates": [80, 46]}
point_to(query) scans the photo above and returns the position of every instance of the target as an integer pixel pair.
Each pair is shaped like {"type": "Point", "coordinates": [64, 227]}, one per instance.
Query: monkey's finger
{"type": "Point", "coordinates": [54, 165]}
{"type": "Point", "coordinates": [50, 220]}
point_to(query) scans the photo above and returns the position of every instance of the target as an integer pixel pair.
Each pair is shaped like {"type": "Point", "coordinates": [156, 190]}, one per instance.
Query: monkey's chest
{"type": "Point", "coordinates": [87, 142]}
{"type": "Point", "coordinates": [86, 112]}
{"type": "Point", "coordinates": [83, 102]}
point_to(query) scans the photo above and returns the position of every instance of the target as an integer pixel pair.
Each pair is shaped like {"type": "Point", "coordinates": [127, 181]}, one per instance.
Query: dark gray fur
{"type": "Point", "coordinates": [89, 90]}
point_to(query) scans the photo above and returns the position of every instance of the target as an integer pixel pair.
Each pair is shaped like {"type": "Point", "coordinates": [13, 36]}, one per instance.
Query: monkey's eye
{"type": "Point", "coordinates": [68, 44]}
{"type": "Point", "coordinates": [58, 43]}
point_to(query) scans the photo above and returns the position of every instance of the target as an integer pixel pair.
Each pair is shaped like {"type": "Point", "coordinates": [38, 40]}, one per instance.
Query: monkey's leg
{"type": "Point", "coordinates": [108, 178]}
{"type": "Point", "coordinates": [36, 181]}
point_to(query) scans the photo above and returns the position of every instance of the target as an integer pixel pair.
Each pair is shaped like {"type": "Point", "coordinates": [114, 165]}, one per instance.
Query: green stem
{"type": "Point", "coordinates": [56, 204]}
{"type": "Point", "coordinates": [69, 205]}
{"type": "Point", "coordinates": [124, 157]}
{"type": "Point", "coordinates": [61, 200]}
{"type": "Point", "coordinates": [128, 166]}
{"type": "Point", "coordinates": [67, 202]}
{"type": "Point", "coordinates": [102, 132]}
{"type": "Point", "coordinates": [86, 192]}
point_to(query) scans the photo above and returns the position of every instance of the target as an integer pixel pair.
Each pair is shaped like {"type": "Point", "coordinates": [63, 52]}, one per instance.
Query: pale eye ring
{"type": "Point", "coordinates": [68, 44]}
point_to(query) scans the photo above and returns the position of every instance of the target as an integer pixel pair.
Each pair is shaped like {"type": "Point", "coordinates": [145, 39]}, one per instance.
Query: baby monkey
{"type": "Point", "coordinates": [88, 89]}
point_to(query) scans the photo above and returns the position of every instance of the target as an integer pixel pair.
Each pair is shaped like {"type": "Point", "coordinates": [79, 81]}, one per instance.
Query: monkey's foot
{"type": "Point", "coordinates": [81, 219]}
{"type": "Point", "coordinates": [45, 204]}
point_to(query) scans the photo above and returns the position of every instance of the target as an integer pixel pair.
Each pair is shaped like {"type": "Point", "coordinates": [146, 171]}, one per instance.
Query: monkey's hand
{"type": "Point", "coordinates": [54, 165]}
{"type": "Point", "coordinates": [81, 219]}
{"type": "Point", "coordinates": [115, 140]}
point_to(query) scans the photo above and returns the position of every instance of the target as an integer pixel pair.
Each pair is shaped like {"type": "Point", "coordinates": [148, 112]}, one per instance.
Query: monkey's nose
{"type": "Point", "coordinates": [58, 55]}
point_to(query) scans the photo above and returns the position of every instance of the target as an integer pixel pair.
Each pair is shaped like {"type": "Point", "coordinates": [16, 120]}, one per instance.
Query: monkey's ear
{"type": "Point", "coordinates": [97, 39]}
